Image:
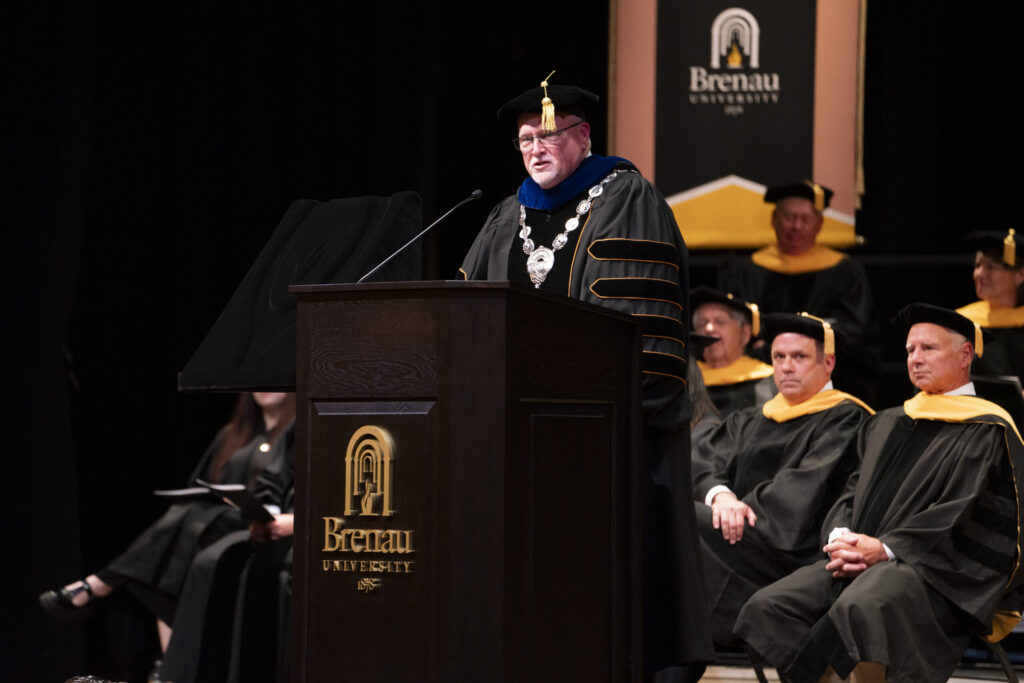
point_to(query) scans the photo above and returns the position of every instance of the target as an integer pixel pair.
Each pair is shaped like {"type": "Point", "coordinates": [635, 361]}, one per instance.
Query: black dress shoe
{"type": "Point", "coordinates": [58, 603]}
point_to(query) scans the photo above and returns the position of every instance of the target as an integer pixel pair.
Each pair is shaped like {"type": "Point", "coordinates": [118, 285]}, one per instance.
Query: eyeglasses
{"type": "Point", "coordinates": [525, 144]}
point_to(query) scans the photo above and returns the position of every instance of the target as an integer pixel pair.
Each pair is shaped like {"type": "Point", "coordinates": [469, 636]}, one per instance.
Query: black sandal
{"type": "Point", "coordinates": [58, 603]}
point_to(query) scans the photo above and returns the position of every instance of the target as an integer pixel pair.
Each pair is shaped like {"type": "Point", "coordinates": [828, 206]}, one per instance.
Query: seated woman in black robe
{"type": "Point", "coordinates": [999, 283]}
{"type": "Point", "coordinates": [154, 566]}
{"type": "Point", "coordinates": [229, 623]}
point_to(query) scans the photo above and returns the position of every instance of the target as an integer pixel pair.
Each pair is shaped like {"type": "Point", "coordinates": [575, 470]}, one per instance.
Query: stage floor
{"type": "Point", "coordinates": [730, 674]}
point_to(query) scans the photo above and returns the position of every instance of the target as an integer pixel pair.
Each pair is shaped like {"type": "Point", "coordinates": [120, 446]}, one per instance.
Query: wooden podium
{"type": "Point", "coordinates": [467, 494]}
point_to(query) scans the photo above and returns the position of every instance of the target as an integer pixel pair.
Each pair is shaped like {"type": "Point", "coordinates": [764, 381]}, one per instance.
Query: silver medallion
{"type": "Point", "coordinates": [541, 260]}
{"type": "Point", "coordinates": [539, 265]}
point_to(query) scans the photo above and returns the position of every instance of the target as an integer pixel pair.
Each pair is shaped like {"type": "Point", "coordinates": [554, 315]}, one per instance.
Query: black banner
{"type": "Point", "coordinates": [735, 93]}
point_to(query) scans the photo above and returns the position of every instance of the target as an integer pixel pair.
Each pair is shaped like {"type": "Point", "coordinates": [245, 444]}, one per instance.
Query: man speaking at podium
{"type": "Point", "coordinates": [592, 228]}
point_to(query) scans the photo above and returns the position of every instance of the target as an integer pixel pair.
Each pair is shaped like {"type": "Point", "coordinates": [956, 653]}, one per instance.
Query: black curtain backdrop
{"type": "Point", "coordinates": [150, 150]}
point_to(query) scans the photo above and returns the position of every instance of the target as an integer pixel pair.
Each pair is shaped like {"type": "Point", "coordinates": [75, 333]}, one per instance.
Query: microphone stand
{"type": "Point", "coordinates": [476, 194]}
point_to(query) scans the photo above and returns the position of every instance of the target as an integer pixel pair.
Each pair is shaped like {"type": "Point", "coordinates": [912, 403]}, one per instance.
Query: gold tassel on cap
{"type": "Point", "coordinates": [819, 195]}
{"type": "Point", "coordinates": [979, 340]}
{"type": "Point", "coordinates": [547, 108]}
{"type": "Point", "coordinates": [830, 339]}
{"type": "Point", "coordinates": [1009, 251]}
{"type": "Point", "coordinates": [755, 315]}
{"type": "Point", "coordinates": [829, 335]}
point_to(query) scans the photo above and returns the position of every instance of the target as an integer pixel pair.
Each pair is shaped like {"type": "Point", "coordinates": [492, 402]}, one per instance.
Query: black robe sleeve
{"type": "Point", "coordinates": [487, 258]}
{"type": "Point", "coordinates": [635, 261]}
{"type": "Point", "coordinates": [789, 473]}
{"type": "Point", "coordinates": [792, 504]}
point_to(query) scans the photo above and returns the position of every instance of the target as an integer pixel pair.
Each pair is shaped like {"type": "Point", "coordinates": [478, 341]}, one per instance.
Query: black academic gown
{"type": "Point", "coordinates": [154, 566]}
{"type": "Point", "coordinates": [838, 293]}
{"type": "Point", "coordinates": [628, 255]}
{"type": "Point", "coordinates": [789, 472]}
{"type": "Point", "coordinates": [1004, 355]}
{"type": "Point", "coordinates": [728, 398]}
{"type": "Point", "coordinates": [942, 495]}
{"type": "Point", "coordinates": [201, 642]}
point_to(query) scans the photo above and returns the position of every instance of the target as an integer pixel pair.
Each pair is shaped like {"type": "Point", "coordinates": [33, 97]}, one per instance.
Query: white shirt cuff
{"type": "Point", "coordinates": [840, 530]}
{"type": "Point", "coordinates": [715, 490]}
{"type": "Point", "coordinates": [837, 532]}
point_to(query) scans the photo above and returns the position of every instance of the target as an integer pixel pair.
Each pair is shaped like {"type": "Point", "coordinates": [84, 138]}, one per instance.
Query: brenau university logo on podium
{"type": "Point", "coordinates": [368, 472]}
{"type": "Point", "coordinates": [369, 478]}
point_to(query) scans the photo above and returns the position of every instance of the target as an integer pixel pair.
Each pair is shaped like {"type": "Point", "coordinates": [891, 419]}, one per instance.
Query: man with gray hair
{"type": "Point", "coordinates": [733, 379]}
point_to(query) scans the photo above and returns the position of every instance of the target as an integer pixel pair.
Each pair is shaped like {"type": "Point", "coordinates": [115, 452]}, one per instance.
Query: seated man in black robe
{"type": "Point", "coordinates": [923, 544]}
{"type": "Point", "coordinates": [592, 228]}
{"type": "Point", "coordinates": [764, 479]}
{"type": "Point", "coordinates": [733, 379]}
{"type": "Point", "coordinates": [797, 274]}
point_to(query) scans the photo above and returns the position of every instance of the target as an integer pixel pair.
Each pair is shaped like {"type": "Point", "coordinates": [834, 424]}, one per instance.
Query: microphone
{"type": "Point", "coordinates": [476, 194]}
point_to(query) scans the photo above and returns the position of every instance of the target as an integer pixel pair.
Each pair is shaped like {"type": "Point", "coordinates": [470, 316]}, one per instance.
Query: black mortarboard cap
{"type": "Point", "coordinates": [1009, 242]}
{"type": "Point", "coordinates": [567, 99]}
{"type": "Point", "coordinates": [252, 344]}
{"type": "Point", "coordinates": [818, 329]}
{"type": "Point", "coordinates": [805, 189]}
{"type": "Point", "coordinates": [914, 313]}
{"type": "Point", "coordinates": [702, 295]}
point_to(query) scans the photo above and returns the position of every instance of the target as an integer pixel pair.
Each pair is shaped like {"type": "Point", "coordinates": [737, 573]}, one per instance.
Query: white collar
{"type": "Point", "coordinates": [962, 390]}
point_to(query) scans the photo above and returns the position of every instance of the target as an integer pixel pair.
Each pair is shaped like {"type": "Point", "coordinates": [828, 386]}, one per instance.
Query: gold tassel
{"type": "Point", "coordinates": [547, 108]}
{"type": "Point", "coordinates": [819, 195]}
{"type": "Point", "coordinates": [979, 341]}
{"type": "Point", "coordinates": [756, 316]}
{"type": "Point", "coordinates": [829, 335]}
{"type": "Point", "coordinates": [1009, 250]}
{"type": "Point", "coordinates": [830, 339]}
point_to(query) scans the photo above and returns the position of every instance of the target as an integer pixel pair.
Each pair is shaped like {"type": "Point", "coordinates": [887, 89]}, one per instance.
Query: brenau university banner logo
{"type": "Point", "coordinates": [734, 79]}
{"type": "Point", "coordinates": [736, 112]}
